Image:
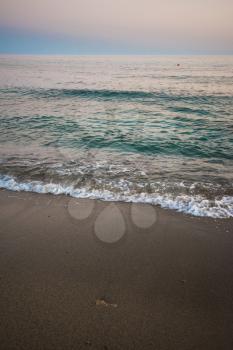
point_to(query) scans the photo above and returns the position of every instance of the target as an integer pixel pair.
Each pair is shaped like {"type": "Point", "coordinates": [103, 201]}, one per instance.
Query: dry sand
{"type": "Point", "coordinates": [63, 285]}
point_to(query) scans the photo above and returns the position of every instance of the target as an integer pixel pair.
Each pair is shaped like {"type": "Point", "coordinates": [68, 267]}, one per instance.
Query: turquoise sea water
{"type": "Point", "coordinates": [140, 129]}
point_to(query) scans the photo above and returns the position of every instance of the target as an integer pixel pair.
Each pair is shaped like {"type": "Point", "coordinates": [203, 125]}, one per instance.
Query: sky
{"type": "Point", "coordinates": [116, 26]}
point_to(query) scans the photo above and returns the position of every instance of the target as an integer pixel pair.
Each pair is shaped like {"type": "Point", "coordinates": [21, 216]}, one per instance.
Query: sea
{"type": "Point", "coordinates": [148, 129]}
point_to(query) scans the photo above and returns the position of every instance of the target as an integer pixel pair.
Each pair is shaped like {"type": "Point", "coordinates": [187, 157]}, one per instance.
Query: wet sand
{"type": "Point", "coordinates": [64, 286]}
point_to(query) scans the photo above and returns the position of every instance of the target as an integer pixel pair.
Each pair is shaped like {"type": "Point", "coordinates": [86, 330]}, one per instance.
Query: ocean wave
{"type": "Point", "coordinates": [197, 205]}
{"type": "Point", "coordinates": [112, 94]}
{"type": "Point", "coordinates": [85, 93]}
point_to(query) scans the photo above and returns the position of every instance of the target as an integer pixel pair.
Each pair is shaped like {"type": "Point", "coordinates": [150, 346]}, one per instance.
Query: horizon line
{"type": "Point", "coordinates": [113, 54]}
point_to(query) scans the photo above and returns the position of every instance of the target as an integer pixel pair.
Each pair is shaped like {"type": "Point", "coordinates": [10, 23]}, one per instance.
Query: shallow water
{"type": "Point", "coordinates": [136, 129]}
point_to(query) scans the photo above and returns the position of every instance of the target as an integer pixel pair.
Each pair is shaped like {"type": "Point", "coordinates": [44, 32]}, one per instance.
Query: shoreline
{"type": "Point", "coordinates": [196, 205]}
{"type": "Point", "coordinates": [80, 273]}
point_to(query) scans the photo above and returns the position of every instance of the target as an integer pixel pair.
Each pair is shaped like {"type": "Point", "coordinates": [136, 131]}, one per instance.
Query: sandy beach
{"type": "Point", "coordinates": [165, 285]}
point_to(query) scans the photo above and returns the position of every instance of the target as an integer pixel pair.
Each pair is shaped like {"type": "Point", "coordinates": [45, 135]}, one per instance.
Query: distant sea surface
{"type": "Point", "coordinates": [148, 129]}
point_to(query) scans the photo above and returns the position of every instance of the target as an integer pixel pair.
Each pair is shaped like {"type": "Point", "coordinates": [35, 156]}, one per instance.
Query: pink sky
{"type": "Point", "coordinates": [146, 23]}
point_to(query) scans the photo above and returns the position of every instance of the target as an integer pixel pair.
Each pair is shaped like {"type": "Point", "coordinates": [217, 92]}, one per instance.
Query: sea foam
{"type": "Point", "coordinates": [197, 205]}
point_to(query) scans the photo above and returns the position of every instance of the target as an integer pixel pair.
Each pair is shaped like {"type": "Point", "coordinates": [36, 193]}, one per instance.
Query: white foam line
{"type": "Point", "coordinates": [194, 205]}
